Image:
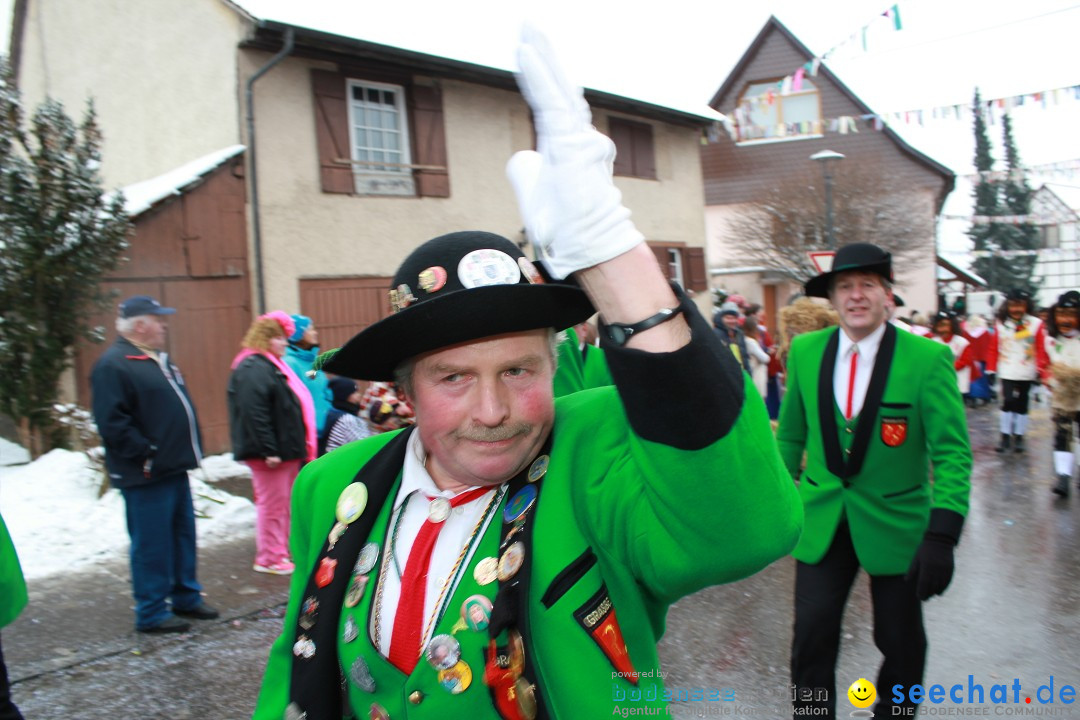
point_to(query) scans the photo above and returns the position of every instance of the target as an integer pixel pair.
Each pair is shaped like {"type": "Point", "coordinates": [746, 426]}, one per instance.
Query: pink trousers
{"type": "Point", "coordinates": [273, 490]}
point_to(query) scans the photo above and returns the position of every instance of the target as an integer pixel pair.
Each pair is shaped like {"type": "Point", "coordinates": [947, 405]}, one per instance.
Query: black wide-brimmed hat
{"type": "Point", "coordinates": [1018, 294]}
{"type": "Point", "coordinates": [1070, 299]}
{"type": "Point", "coordinates": [856, 256]}
{"type": "Point", "coordinates": [456, 288]}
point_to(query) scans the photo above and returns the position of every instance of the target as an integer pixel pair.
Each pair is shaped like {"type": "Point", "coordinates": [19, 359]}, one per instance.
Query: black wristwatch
{"type": "Point", "coordinates": [620, 334]}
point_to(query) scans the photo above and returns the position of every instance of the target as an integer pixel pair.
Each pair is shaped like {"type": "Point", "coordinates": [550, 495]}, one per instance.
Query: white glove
{"type": "Point", "coordinates": [572, 210]}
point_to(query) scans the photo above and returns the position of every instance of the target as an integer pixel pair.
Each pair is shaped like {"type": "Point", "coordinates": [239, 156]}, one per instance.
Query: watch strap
{"type": "Point", "coordinates": [619, 334]}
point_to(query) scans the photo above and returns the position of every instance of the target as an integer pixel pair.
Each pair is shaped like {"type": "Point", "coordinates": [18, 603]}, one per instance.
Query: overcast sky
{"type": "Point", "coordinates": [678, 52]}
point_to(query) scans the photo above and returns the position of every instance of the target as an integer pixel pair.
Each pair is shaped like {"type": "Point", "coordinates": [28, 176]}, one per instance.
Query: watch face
{"type": "Point", "coordinates": [617, 334]}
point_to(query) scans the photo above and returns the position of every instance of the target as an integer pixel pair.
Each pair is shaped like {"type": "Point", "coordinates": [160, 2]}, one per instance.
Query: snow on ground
{"type": "Point", "coordinates": [59, 520]}
{"type": "Point", "coordinates": [12, 454]}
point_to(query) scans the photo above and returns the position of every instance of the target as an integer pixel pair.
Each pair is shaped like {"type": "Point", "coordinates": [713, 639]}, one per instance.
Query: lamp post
{"type": "Point", "coordinates": [826, 157]}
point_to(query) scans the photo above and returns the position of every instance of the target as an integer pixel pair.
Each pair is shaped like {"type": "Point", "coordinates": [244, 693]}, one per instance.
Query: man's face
{"type": "Point", "coordinates": [730, 321]}
{"type": "Point", "coordinates": [1016, 308]}
{"type": "Point", "coordinates": [1067, 319]}
{"type": "Point", "coordinates": [943, 328]}
{"type": "Point", "coordinates": [483, 409]}
{"type": "Point", "coordinates": [861, 300]}
{"type": "Point", "coordinates": [152, 331]}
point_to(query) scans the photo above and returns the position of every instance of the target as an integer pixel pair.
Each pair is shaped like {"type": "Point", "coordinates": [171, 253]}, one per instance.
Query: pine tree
{"type": "Point", "coordinates": [1002, 268]}
{"type": "Point", "coordinates": [59, 234]}
{"type": "Point", "coordinates": [1016, 194]}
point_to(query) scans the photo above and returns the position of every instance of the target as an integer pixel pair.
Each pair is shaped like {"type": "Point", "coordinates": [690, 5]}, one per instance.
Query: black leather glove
{"type": "Point", "coordinates": [932, 568]}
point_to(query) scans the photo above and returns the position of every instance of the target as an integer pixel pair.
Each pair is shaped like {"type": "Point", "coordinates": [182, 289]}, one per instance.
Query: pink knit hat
{"type": "Point", "coordinates": [283, 319]}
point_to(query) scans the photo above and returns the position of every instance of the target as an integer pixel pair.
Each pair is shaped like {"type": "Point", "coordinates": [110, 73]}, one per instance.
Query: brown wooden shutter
{"type": "Point", "coordinates": [644, 156]}
{"type": "Point", "coordinates": [623, 138]}
{"type": "Point", "coordinates": [694, 270]}
{"type": "Point", "coordinates": [332, 131]}
{"type": "Point", "coordinates": [429, 141]}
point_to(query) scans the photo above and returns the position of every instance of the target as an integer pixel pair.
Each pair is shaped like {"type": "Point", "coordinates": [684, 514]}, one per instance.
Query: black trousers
{"type": "Point", "coordinates": [1063, 429]}
{"type": "Point", "coordinates": [821, 592]}
{"type": "Point", "coordinates": [1014, 396]}
{"type": "Point", "coordinates": [8, 711]}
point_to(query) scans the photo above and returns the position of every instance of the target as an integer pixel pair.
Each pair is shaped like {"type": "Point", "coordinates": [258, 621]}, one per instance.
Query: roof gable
{"type": "Point", "coordinates": [726, 96]}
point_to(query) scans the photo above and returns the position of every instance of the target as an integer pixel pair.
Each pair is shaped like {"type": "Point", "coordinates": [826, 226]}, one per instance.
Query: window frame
{"type": "Point", "coordinates": [404, 174]}
{"type": "Point", "coordinates": [818, 122]}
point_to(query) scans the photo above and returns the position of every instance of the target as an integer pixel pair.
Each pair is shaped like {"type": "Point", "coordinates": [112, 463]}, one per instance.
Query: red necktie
{"type": "Point", "coordinates": [408, 623]}
{"type": "Point", "coordinates": [851, 380]}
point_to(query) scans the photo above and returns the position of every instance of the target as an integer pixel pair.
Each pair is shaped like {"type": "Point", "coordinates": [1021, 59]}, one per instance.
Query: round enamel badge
{"type": "Point", "coordinates": [484, 267]}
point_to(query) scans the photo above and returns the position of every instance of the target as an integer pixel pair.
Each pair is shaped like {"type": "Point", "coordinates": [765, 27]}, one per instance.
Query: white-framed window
{"type": "Point", "coordinates": [675, 269]}
{"type": "Point", "coordinates": [765, 112]}
{"type": "Point", "coordinates": [379, 139]}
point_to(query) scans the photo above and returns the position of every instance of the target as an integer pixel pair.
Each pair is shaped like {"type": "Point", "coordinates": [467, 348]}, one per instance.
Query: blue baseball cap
{"type": "Point", "coordinates": [137, 305]}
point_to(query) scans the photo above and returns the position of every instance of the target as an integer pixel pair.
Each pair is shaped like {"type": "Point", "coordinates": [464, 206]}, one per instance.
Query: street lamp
{"type": "Point", "coordinates": [825, 157]}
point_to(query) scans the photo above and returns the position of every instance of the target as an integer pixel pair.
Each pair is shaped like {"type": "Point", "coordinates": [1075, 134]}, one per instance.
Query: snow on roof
{"type": "Point", "coordinates": [1069, 194]}
{"type": "Point", "coordinates": [141, 196]}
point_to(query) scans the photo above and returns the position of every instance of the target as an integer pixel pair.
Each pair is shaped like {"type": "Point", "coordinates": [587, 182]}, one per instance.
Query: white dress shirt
{"type": "Point", "coordinates": [416, 487]}
{"type": "Point", "coordinates": [868, 350]}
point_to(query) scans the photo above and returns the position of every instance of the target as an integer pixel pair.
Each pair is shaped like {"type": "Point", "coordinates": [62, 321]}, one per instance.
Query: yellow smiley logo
{"type": "Point", "coordinates": [861, 693]}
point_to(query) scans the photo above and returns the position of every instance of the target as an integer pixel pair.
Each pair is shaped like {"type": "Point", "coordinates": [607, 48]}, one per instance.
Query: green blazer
{"type": "Point", "coordinates": [876, 469]}
{"type": "Point", "coordinates": [621, 522]}
{"type": "Point", "coordinates": [12, 584]}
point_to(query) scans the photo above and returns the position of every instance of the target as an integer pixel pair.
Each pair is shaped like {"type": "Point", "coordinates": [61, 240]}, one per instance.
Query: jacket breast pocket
{"type": "Point", "coordinates": [896, 405]}
{"type": "Point", "coordinates": [568, 577]}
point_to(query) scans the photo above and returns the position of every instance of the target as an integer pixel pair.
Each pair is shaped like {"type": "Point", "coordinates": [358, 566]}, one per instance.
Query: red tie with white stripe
{"type": "Point", "coordinates": [851, 380]}
{"type": "Point", "coordinates": [408, 622]}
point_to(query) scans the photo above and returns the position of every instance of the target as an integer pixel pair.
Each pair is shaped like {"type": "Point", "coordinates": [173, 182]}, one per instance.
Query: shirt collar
{"type": "Point", "coordinates": [414, 474]}
{"type": "Point", "coordinates": [868, 346]}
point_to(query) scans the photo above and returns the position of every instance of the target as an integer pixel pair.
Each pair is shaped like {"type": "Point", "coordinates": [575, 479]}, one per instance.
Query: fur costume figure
{"type": "Point", "coordinates": [802, 316]}
{"type": "Point", "coordinates": [1063, 348]}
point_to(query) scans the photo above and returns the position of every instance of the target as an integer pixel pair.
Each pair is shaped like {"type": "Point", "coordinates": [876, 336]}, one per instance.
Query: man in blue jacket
{"type": "Point", "coordinates": [151, 436]}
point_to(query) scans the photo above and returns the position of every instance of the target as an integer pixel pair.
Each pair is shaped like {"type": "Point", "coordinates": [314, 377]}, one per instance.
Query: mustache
{"type": "Point", "coordinates": [494, 434]}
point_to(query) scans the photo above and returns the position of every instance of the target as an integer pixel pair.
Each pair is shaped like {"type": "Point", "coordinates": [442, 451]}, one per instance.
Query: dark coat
{"type": "Point", "coordinates": [740, 342]}
{"type": "Point", "coordinates": [265, 417]}
{"type": "Point", "coordinates": [144, 415]}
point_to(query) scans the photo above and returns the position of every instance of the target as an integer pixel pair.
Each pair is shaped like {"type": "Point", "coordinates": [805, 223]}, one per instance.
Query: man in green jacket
{"type": "Point", "coordinates": [874, 410]}
{"type": "Point", "coordinates": [12, 600]}
{"type": "Point", "coordinates": [511, 556]}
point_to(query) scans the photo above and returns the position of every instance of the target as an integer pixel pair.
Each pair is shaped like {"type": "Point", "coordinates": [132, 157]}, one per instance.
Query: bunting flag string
{"type": "Point", "coordinates": [1068, 168]}
{"type": "Point", "coordinates": [1004, 253]}
{"type": "Point", "coordinates": [1032, 219]}
{"type": "Point", "coordinates": [739, 127]}
{"type": "Point", "coordinates": [742, 128]}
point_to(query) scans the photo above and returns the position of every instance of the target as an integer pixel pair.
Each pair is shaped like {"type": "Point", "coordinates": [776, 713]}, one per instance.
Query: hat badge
{"type": "Point", "coordinates": [401, 297]}
{"type": "Point", "coordinates": [433, 279]}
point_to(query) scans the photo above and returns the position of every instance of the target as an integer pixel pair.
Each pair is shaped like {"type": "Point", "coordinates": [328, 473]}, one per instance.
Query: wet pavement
{"type": "Point", "coordinates": [1011, 613]}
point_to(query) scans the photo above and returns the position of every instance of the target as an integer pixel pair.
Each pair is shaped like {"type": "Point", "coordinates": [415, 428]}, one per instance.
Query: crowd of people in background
{"type": "Point", "coordinates": [1021, 355]}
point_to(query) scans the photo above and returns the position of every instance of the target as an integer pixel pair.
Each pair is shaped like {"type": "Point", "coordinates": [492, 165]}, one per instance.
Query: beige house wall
{"type": "Point", "coordinates": [161, 74]}
{"type": "Point", "coordinates": [309, 233]}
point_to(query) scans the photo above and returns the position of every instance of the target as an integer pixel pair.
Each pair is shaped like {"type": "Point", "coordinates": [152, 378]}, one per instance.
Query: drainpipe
{"type": "Point", "coordinates": [249, 94]}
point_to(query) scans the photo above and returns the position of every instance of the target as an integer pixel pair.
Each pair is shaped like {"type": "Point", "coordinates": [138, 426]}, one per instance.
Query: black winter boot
{"type": "Point", "coordinates": [1062, 487]}
{"type": "Point", "coordinates": [1004, 445]}
{"type": "Point", "coordinates": [1018, 443]}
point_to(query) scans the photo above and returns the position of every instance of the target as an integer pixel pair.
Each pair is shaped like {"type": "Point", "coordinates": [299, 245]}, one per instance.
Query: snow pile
{"type": "Point", "coordinates": [59, 520]}
{"type": "Point", "coordinates": [12, 454]}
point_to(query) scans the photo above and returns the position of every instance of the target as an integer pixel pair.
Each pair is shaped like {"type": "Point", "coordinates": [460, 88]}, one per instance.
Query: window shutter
{"type": "Point", "coordinates": [624, 147]}
{"type": "Point", "coordinates": [697, 277]}
{"type": "Point", "coordinates": [661, 254]}
{"type": "Point", "coordinates": [644, 160]}
{"type": "Point", "coordinates": [429, 141]}
{"type": "Point", "coordinates": [332, 131]}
